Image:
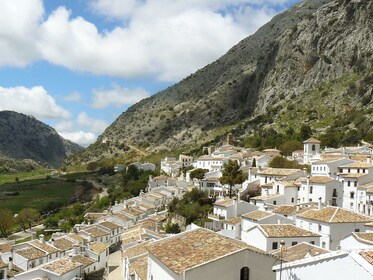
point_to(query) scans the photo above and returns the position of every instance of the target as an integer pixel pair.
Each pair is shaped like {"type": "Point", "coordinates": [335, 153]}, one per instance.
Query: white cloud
{"type": "Point", "coordinates": [94, 125]}
{"type": "Point", "coordinates": [33, 101]}
{"type": "Point", "coordinates": [117, 96]}
{"type": "Point", "coordinates": [73, 97]}
{"type": "Point", "coordinates": [162, 39]}
{"type": "Point", "coordinates": [80, 137]}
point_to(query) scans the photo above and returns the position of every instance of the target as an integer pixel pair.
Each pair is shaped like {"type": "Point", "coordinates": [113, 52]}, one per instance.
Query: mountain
{"type": "Point", "coordinates": [309, 65]}
{"type": "Point", "coordinates": [24, 137]}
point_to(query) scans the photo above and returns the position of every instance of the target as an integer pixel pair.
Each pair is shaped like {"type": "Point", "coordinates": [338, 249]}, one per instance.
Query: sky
{"type": "Point", "coordinates": [78, 64]}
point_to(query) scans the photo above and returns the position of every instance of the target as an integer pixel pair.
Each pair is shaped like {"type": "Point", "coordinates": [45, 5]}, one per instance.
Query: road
{"type": "Point", "coordinates": [115, 266]}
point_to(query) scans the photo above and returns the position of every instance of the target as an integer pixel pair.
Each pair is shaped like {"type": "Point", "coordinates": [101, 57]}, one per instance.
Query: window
{"type": "Point", "coordinates": [357, 230]}
{"type": "Point", "coordinates": [274, 202]}
{"type": "Point", "coordinates": [348, 183]}
{"type": "Point", "coordinates": [245, 271]}
{"type": "Point", "coordinates": [292, 200]}
{"type": "Point", "coordinates": [355, 183]}
{"type": "Point", "coordinates": [352, 194]}
{"type": "Point", "coordinates": [320, 227]}
{"type": "Point", "coordinates": [311, 189]}
{"type": "Point", "coordinates": [294, 243]}
{"type": "Point", "coordinates": [312, 242]}
{"type": "Point", "coordinates": [274, 245]}
{"type": "Point", "coordinates": [323, 244]}
{"type": "Point", "coordinates": [313, 148]}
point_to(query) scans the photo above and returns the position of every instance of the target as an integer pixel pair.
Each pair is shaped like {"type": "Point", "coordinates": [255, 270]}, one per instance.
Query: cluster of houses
{"type": "Point", "coordinates": [314, 223]}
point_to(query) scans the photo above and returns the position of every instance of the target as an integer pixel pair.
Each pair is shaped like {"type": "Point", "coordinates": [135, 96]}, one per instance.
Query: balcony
{"type": "Point", "coordinates": [216, 217]}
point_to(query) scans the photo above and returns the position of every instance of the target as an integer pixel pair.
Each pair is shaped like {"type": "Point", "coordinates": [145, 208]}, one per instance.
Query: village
{"type": "Point", "coordinates": [310, 223]}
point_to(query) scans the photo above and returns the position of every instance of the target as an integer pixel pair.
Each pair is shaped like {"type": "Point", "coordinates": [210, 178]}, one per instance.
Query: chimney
{"type": "Point", "coordinates": [75, 249]}
{"type": "Point", "coordinates": [319, 204]}
{"type": "Point", "coordinates": [89, 222]}
{"type": "Point", "coordinates": [71, 257]}
{"type": "Point", "coordinates": [235, 207]}
{"type": "Point", "coordinates": [52, 241]}
{"type": "Point", "coordinates": [278, 221]}
{"type": "Point", "coordinates": [10, 264]}
{"type": "Point", "coordinates": [41, 238]}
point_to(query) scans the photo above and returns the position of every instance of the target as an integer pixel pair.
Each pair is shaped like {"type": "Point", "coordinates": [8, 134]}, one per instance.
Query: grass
{"type": "Point", "coordinates": [36, 193]}
{"type": "Point", "coordinates": [77, 175]}
{"type": "Point", "coordinates": [23, 176]}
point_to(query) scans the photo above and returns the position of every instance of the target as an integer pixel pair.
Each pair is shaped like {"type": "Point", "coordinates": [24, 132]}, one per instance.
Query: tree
{"type": "Point", "coordinates": [26, 217]}
{"type": "Point", "coordinates": [254, 162]}
{"type": "Point", "coordinates": [198, 173]}
{"type": "Point", "coordinates": [305, 132]}
{"type": "Point", "coordinates": [232, 175]}
{"type": "Point", "coordinates": [172, 228]}
{"type": "Point", "coordinates": [290, 146]}
{"type": "Point", "coordinates": [6, 221]}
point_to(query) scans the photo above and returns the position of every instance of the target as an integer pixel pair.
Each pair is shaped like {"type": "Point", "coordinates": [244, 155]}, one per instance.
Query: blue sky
{"type": "Point", "coordinates": [78, 64]}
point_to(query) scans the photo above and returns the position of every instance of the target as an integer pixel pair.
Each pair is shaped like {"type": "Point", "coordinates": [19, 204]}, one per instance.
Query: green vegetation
{"type": "Point", "coordinates": [232, 175]}
{"type": "Point", "coordinates": [23, 176]}
{"type": "Point", "coordinates": [6, 221]}
{"type": "Point", "coordinates": [26, 217]}
{"type": "Point", "coordinates": [198, 173]}
{"type": "Point", "coordinates": [38, 193]}
{"type": "Point", "coordinates": [281, 162]}
{"type": "Point", "coordinates": [66, 218]}
{"type": "Point", "coordinates": [194, 206]}
{"type": "Point", "coordinates": [172, 228]}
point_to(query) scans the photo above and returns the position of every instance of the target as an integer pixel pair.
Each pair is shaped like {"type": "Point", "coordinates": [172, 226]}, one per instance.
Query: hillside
{"type": "Point", "coordinates": [24, 137]}
{"type": "Point", "coordinates": [311, 64]}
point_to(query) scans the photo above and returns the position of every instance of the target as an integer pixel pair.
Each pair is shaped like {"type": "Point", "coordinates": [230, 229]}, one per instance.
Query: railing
{"type": "Point", "coordinates": [216, 217]}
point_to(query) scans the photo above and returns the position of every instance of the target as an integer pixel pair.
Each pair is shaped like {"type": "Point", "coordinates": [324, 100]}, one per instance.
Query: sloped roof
{"type": "Point", "coordinates": [335, 215]}
{"type": "Point", "coordinates": [61, 266]}
{"type": "Point", "coordinates": [140, 266]}
{"type": "Point", "coordinates": [284, 231]}
{"type": "Point", "coordinates": [312, 141]}
{"type": "Point", "coordinates": [44, 246]}
{"type": "Point", "coordinates": [299, 252]}
{"type": "Point", "coordinates": [257, 215]}
{"type": "Point", "coordinates": [278, 171]}
{"type": "Point", "coordinates": [189, 249]}
{"type": "Point", "coordinates": [319, 179]}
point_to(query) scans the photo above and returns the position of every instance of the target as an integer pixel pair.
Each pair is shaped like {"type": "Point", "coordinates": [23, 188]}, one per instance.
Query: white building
{"type": "Point", "coordinates": [203, 254]}
{"type": "Point", "coordinates": [357, 241]}
{"type": "Point", "coordinates": [311, 149]}
{"type": "Point", "coordinates": [332, 223]}
{"type": "Point", "coordinates": [329, 166]}
{"type": "Point", "coordinates": [268, 237]}
{"type": "Point", "coordinates": [273, 174]}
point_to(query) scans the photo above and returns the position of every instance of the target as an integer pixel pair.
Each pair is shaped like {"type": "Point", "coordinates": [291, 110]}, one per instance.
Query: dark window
{"type": "Point", "coordinates": [313, 148]}
{"type": "Point", "coordinates": [292, 200]}
{"type": "Point", "coordinates": [355, 183]}
{"type": "Point", "coordinates": [312, 242]}
{"type": "Point", "coordinates": [274, 245]}
{"type": "Point", "coordinates": [294, 243]}
{"type": "Point", "coordinates": [245, 271]}
{"type": "Point", "coordinates": [348, 183]}
{"type": "Point", "coordinates": [311, 190]}
{"type": "Point", "coordinates": [352, 194]}
{"type": "Point", "coordinates": [357, 230]}
{"type": "Point", "coordinates": [274, 202]}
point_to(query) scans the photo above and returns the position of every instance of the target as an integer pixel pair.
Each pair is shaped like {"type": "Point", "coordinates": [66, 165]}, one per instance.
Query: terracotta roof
{"type": "Point", "coordinates": [289, 209]}
{"type": "Point", "coordinates": [110, 225]}
{"type": "Point", "coordinates": [85, 261]}
{"type": "Point", "coordinates": [352, 175]}
{"type": "Point", "coordinates": [264, 197]}
{"type": "Point", "coordinates": [284, 231]}
{"type": "Point", "coordinates": [44, 246]}
{"type": "Point", "coordinates": [299, 252]}
{"type": "Point", "coordinates": [98, 247]}
{"type": "Point", "coordinates": [364, 236]}
{"type": "Point", "coordinates": [5, 247]}
{"type": "Point", "coordinates": [334, 215]}
{"type": "Point", "coordinates": [133, 211]}
{"type": "Point", "coordinates": [257, 215]}
{"type": "Point", "coordinates": [225, 202]}
{"type": "Point", "coordinates": [140, 266]}
{"type": "Point", "coordinates": [77, 237]}
{"type": "Point", "coordinates": [278, 171]}
{"type": "Point", "coordinates": [94, 216]}
{"type": "Point", "coordinates": [319, 179]}
{"type": "Point", "coordinates": [31, 253]}
{"type": "Point", "coordinates": [136, 250]}
{"type": "Point", "coordinates": [312, 141]}
{"type": "Point", "coordinates": [328, 160]}
{"type": "Point", "coordinates": [63, 244]}
{"type": "Point", "coordinates": [61, 266]}
{"type": "Point", "coordinates": [357, 165]}
{"type": "Point", "coordinates": [233, 221]}
{"type": "Point", "coordinates": [15, 271]}
{"type": "Point", "coordinates": [122, 216]}
{"type": "Point", "coordinates": [368, 256]}
{"type": "Point", "coordinates": [96, 232]}
{"type": "Point", "coordinates": [366, 186]}
{"type": "Point", "coordinates": [3, 265]}
{"type": "Point", "coordinates": [189, 249]}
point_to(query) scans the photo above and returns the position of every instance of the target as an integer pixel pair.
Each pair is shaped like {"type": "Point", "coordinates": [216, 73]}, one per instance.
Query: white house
{"type": "Point", "coordinates": [332, 223]}
{"type": "Point", "coordinates": [357, 241]}
{"type": "Point", "coordinates": [335, 265]}
{"type": "Point", "coordinates": [365, 197]}
{"type": "Point", "coordinates": [328, 166]}
{"type": "Point", "coordinates": [273, 174]}
{"type": "Point", "coordinates": [311, 149]}
{"type": "Point", "coordinates": [325, 189]}
{"type": "Point", "coordinates": [268, 237]}
{"type": "Point", "coordinates": [203, 254]}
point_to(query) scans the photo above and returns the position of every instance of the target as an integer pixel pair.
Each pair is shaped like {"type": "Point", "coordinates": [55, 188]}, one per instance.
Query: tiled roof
{"type": "Point", "coordinates": [63, 244]}
{"type": "Point", "coordinates": [364, 236]}
{"type": "Point", "coordinates": [264, 197]}
{"type": "Point", "coordinates": [366, 186]}
{"type": "Point", "coordinates": [189, 249]}
{"type": "Point", "coordinates": [357, 165]}
{"type": "Point", "coordinates": [257, 215]}
{"type": "Point", "coordinates": [290, 209]}
{"type": "Point", "coordinates": [335, 215]}
{"type": "Point", "coordinates": [110, 225]}
{"type": "Point", "coordinates": [319, 179]}
{"type": "Point", "coordinates": [328, 160]}
{"type": "Point", "coordinates": [368, 256]}
{"type": "Point", "coordinates": [140, 266]}
{"type": "Point", "coordinates": [77, 237]}
{"type": "Point", "coordinates": [96, 232]}
{"type": "Point", "coordinates": [225, 202]}
{"type": "Point", "coordinates": [94, 216]}
{"type": "Point", "coordinates": [233, 221]}
{"type": "Point", "coordinates": [352, 175]}
{"type": "Point", "coordinates": [312, 141]}
{"type": "Point", "coordinates": [133, 211]}
{"type": "Point", "coordinates": [284, 231]}
{"type": "Point", "coordinates": [85, 261]}
{"type": "Point", "coordinates": [61, 266]}
{"type": "Point", "coordinates": [98, 247]}
{"type": "Point", "coordinates": [43, 246]}
{"type": "Point", "coordinates": [122, 216]}
{"type": "Point", "coordinates": [5, 247]}
{"type": "Point", "coordinates": [299, 252]}
{"type": "Point", "coordinates": [278, 171]}
{"type": "Point", "coordinates": [136, 250]}
{"type": "Point", "coordinates": [16, 270]}
{"type": "Point", "coordinates": [31, 253]}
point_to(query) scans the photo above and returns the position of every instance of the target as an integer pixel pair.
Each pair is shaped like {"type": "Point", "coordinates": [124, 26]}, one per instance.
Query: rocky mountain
{"type": "Point", "coordinates": [310, 64]}
{"type": "Point", "coordinates": [24, 137]}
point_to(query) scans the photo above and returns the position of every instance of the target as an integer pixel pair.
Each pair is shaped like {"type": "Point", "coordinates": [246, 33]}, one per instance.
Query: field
{"type": "Point", "coordinates": [36, 193]}
{"type": "Point", "coordinates": [22, 176]}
